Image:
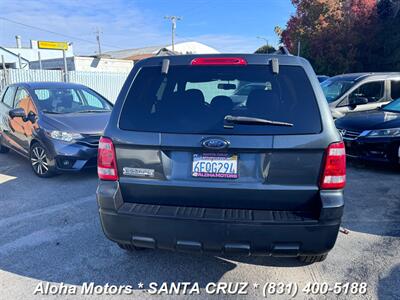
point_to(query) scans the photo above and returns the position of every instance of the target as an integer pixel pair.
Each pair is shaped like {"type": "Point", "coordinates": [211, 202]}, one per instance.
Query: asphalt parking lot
{"type": "Point", "coordinates": [50, 231]}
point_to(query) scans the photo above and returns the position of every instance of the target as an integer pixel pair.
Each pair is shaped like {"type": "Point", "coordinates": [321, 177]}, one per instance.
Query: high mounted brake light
{"type": "Point", "coordinates": [106, 160]}
{"type": "Point", "coordinates": [219, 61]}
{"type": "Point", "coordinates": [334, 173]}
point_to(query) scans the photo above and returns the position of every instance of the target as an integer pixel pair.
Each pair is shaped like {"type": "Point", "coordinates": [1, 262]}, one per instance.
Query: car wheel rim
{"type": "Point", "coordinates": [39, 160]}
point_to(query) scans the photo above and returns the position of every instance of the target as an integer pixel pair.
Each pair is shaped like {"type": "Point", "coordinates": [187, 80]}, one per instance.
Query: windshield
{"type": "Point", "coordinates": [193, 99]}
{"type": "Point", "coordinates": [70, 100]}
{"type": "Point", "coordinates": [335, 88]}
{"type": "Point", "coordinates": [393, 106]}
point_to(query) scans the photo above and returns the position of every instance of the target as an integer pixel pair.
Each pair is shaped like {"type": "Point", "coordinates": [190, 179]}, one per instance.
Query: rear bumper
{"type": "Point", "coordinates": [253, 232]}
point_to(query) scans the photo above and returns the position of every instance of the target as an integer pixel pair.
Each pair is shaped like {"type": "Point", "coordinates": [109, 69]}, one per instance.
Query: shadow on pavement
{"type": "Point", "coordinates": [378, 167]}
{"type": "Point", "coordinates": [50, 231]}
{"type": "Point", "coordinates": [372, 199]}
{"type": "Point", "coordinates": [103, 263]}
{"type": "Point", "coordinates": [86, 255]}
{"type": "Point", "coordinates": [388, 287]}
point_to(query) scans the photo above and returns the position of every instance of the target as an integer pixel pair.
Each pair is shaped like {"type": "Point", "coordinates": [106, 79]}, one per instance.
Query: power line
{"type": "Point", "coordinates": [56, 33]}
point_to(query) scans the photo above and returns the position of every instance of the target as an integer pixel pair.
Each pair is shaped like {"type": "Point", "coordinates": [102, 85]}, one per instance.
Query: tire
{"type": "Point", "coordinates": [130, 248]}
{"type": "Point", "coordinates": [309, 259]}
{"type": "Point", "coordinates": [3, 149]}
{"type": "Point", "coordinates": [39, 161]}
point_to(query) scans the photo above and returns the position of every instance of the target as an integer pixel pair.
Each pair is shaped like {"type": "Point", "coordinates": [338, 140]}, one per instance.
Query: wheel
{"type": "Point", "coordinates": [40, 161]}
{"type": "Point", "coordinates": [130, 248]}
{"type": "Point", "coordinates": [312, 258]}
{"type": "Point", "coordinates": [3, 149]}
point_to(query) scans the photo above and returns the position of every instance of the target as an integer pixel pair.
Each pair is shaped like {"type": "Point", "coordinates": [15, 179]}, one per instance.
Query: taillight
{"type": "Point", "coordinates": [334, 174]}
{"type": "Point", "coordinates": [219, 61]}
{"type": "Point", "coordinates": [106, 160]}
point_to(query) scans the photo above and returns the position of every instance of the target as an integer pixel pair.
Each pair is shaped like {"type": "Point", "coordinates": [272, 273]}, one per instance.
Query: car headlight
{"type": "Point", "coordinates": [65, 136]}
{"type": "Point", "coordinates": [384, 132]}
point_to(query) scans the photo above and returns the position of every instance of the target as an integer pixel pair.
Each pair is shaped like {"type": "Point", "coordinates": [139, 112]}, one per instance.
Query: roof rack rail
{"type": "Point", "coordinates": [283, 51]}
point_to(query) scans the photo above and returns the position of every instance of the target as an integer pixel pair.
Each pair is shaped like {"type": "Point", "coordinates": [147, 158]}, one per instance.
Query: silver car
{"type": "Point", "coordinates": [360, 91]}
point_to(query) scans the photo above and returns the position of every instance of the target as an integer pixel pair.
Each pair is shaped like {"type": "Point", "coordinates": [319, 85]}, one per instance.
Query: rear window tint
{"type": "Point", "coordinates": [195, 99]}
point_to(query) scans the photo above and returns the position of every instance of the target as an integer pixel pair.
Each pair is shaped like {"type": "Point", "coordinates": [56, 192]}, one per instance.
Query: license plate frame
{"type": "Point", "coordinates": [213, 164]}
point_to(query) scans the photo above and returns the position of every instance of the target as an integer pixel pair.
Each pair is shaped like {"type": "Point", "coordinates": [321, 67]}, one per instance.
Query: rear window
{"type": "Point", "coordinates": [195, 99]}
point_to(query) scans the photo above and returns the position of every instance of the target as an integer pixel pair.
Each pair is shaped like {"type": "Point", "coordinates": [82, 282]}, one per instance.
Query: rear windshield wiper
{"type": "Point", "coordinates": [230, 120]}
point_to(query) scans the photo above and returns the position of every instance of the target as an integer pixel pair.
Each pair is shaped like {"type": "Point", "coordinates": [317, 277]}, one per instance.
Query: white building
{"type": "Point", "coordinates": [86, 64]}
{"type": "Point", "coordinates": [179, 48]}
{"type": "Point", "coordinates": [18, 57]}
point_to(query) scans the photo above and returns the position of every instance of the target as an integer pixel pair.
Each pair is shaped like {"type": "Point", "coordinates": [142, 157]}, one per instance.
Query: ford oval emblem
{"type": "Point", "coordinates": [215, 143]}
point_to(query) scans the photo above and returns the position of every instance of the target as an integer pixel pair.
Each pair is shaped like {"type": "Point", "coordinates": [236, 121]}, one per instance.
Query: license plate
{"type": "Point", "coordinates": [215, 165]}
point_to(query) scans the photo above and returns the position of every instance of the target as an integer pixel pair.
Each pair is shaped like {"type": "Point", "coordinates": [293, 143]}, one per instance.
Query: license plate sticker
{"type": "Point", "coordinates": [215, 165]}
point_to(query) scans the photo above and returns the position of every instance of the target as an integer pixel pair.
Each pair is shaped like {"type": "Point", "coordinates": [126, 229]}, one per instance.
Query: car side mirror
{"type": "Point", "coordinates": [358, 101]}
{"type": "Point", "coordinates": [17, 113]}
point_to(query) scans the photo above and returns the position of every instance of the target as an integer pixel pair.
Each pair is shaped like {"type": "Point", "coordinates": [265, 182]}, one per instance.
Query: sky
{"type": "Point", "coordinates": [227, 25]}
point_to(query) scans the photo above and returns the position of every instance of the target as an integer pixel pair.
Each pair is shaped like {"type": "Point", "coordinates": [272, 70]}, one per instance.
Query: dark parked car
{"type": "Point", "coordinates": [349, 93]}
{"type": "Point", "coordinates": [241, 93]}
{"type": "Point", "coordinates": [56, 125]}
{"type": "Point", "coordinates": [373, 135]}
{"type": "Point", "coordinates": [182, 168]}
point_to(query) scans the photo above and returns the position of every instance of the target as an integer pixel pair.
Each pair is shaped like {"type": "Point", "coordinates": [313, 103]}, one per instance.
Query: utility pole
{"type": "Point", "coordinates": [173, 23]}
{"type": "Point", "coordinates": [98, 32]}
{"type": "Point", "coordinates": [298, 48]}
{"type": "Point", "coordinates": [66, 79]}
{"type": "Point", "coordinates": [265, 39]}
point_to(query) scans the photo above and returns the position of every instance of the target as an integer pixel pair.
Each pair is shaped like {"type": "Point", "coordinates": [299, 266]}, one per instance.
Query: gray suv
{"type": "Point", "coordinates": [183, 167]}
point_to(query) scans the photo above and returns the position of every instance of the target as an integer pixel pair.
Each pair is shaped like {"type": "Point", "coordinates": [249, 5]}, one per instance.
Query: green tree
{"type": "Point", "coordinates": [265, 49]}
{"type": "Point", "coordinates": [387, 46]}
{"type": "Point", "coordinates": [337, 36]}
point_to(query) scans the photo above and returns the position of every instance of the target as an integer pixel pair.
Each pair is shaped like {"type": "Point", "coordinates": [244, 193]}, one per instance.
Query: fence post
{"type": "Point", "coordinates": [66, 79]}
{"type": "Point", "coordinates": [298, 48]}
{"type": "Point", "coordinates": [4, 79]}
{"type": "Point", "coordinates": [40, 60]}
{"type": "Point", "coordinates": [19, 60]}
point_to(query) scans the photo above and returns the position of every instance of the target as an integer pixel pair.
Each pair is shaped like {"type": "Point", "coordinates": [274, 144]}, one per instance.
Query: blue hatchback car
{"type": "Point", "coordinates": [56, 125]}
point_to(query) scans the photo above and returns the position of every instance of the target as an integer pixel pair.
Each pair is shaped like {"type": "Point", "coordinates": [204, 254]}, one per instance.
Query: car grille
{"type": "Point", "coordinates": [349, 134]}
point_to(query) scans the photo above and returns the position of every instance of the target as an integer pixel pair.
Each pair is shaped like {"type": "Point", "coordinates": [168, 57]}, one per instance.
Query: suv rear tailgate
{"type": "Point", "coordinates": [276, 173]}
